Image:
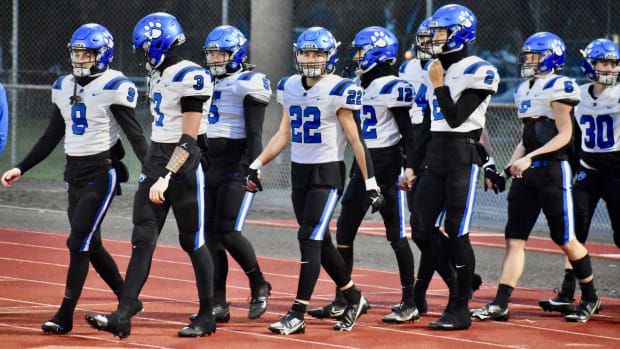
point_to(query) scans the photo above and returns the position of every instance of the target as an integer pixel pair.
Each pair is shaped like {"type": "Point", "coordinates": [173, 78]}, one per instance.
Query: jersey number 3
{"type": "Point", "coordinates": [78, 115]}
{"type": "Point", "coordinates": [313, 116]}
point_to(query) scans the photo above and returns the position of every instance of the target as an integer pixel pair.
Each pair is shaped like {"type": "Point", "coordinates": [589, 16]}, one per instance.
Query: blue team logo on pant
{"type": "Point", "coordinates": [142, 177]}
{"type": "Point", "coordinates": [581, 175]}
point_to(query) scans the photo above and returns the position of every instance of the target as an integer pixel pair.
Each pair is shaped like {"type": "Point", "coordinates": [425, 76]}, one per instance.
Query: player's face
{"type": "Point", "coordinates": [359, 53]}
{"type": "Point", "coordinates": [313, 57]}
{"type": "Point", "coordinates": [425, 42]}
{"type": "Point", "coordinates": [440, 35]}
{"type": "Point", "coordinates": [82, 58]}
{"type": "Point", "coordinates": [218, 57]}
{"type": "Point", "coordinates": [606, 66]}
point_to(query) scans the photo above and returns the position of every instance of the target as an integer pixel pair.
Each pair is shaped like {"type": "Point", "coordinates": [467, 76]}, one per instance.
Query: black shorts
{"type": "Point", "coordinates": [547, 186]}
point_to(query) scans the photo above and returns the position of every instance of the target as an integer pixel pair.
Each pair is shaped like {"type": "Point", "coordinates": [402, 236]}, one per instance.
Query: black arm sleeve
{"type": "Point", "coordinates": [46, 144]}
{"type": "Point", "coordinates": [193, 103]}
{"type": "Point", "coordinates": [421, 136]}
{"type": "Point", "coordinates": [456, 113]}
{"type": "Point", "coordinates": [403, 120]}
{"type": "Point", "coordinates": [254, 115]}
{"type": "Point", "coordinates": [126, 117]}
{"type": "Point", "coordinates": [369, 167]}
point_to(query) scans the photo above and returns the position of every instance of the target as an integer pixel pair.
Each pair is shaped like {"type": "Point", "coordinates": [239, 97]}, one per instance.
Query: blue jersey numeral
{"type": "Point", "coordinates": [525, 105]}
{"type": "Point", "coordinates": [354, 97]}
{"type": "Point", "coordinates": [489, 78]}
{"type": "Point", "coordinates": [568, 86]}
{"type": "Point", "coordinates": [599, 131]}
{"type": "Point", "coordinates": [214, 114]}
{"type": "Point", "coordinates": [368, 121]}
{"type": "Point", "coordinates": [313, 116]}
{"type": "Point", "coordinates": [131, 94]}
{"type": "Point", "coordinates": [160, 116]}
{"type": "Point", "coordinates": [200, 82]}
{"type": "Point", "coordinates": [405, 94]}
{"type": "Point", "coordinates": [420, 98]}
{"type": "Point", "coordinates": [78, 115]}
{"type": "Point", "coordinates": [437, 114]}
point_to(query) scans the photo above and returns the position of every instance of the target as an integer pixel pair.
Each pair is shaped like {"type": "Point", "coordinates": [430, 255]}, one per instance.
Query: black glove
{"type": "Point", "coordinates": [491, 173]}
{"type": "Point", "coordinates": [253, 176]}
{"type": "Point", "coordinates": [376, 200]}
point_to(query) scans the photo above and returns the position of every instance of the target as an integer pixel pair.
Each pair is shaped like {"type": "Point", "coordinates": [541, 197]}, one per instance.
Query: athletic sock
{"type": "Point", "coordinates": [569, 283]}
{"type": "Point", "coordinates": [503, 295]}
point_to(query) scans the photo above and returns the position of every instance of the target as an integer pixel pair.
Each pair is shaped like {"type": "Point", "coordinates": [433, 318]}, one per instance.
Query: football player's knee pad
{"type": "Point", "coordinates": [188, 242]}
{"type": "Point", "coordinates": [399, 244]}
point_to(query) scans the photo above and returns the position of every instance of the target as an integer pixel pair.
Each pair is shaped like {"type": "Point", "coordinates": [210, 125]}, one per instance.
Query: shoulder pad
{"type": "Point", "coordinates": [340, 87]}
{"type": "Point", "coordinates": [116, 82]}
{"type": "Point", "coordinates": [387, 88]}
{"type": "Point", "coordinates": [282, 82]}
{"type": "Point", "coordinates": [403, 66]}
{"type": "Point", "coordinates": [180, 75]}
{"type": "Point", "coordinates": [473, 68]}
{"type": "Point", "coordinates": [58, 83]}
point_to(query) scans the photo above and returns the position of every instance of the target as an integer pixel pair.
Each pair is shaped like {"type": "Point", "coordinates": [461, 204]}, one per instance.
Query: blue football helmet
{"type": "Point", "coordinates": [93, 37]}
{"type": "Point", "coordinates": [155, 34]}
{"type": "Point", "coordinates": [601, 50]}
{"type": "Point", "coordinates": [461, 25]}
{"type": "Point", "coordinates": [376, 45]}
{"type": "Point", "coordinates": [226, 38]}
{"type": "Point", "coordinates": [551, 54]}
{"type": "Point", "coordinates": [316, 39]}
{"type": "Point", "coordinates": [421, 45]}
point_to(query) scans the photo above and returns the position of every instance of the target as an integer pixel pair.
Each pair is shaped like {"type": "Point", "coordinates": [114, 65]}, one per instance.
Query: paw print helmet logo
{"type": "Point", "coordinates": [460, 23]}
{"type": "Point", "coordinates": [551, 51]}
{"type": "Point", "coordinates": [154, 35]}
{"type": "Point", "coordinates": [375, 46]}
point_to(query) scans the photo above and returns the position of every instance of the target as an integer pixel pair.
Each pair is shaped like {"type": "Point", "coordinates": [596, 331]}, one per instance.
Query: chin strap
{"type": "Point", "coordinates": [75, 99]}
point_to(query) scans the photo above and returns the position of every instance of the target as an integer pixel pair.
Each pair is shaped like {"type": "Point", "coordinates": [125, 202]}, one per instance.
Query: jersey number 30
{"type": "Point", "coordinates": [599, 131]}
{"type": "Point", "coordinates": [309, 119]}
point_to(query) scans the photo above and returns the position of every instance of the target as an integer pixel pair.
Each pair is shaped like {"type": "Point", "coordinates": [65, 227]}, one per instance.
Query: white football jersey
{"type": "Point", "coordinates": [225, 117]}
{"type": "Point", "coordinates": [179, 80]}
{"type": "Point", "coordinates": [90, 126]}
{"type": "Point", "coordinates": [412, 72]}
{"type": "Point", "coordinates": [599, 120]}
{"type": "Point", "coordinates": [469, 73]}
{"type": "Point", "coordinates": [535, 102]}
{"type": "Point", "coordinates": [316, 133]}
{"type": "Point", "coordinates": [379, 128]}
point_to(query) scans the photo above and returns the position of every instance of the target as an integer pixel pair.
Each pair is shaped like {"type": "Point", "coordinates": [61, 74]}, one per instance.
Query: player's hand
{"type": "Point", "coordinates": [376, 200]}
{"type": "Point", "coordinates": [11, 176]}
{"type": "Point", "coordinates": [407, 180]}
{"type": "Point", "coordinates": [493, 179]}
{"type": "Point", "coordinates": [518, 167]}
{"type": "Point", "coordinates": [252, 181]}
{"type": "Point", "coordinates": [435, 73]}
{"type": "Point", "coordinates": [158, 189]}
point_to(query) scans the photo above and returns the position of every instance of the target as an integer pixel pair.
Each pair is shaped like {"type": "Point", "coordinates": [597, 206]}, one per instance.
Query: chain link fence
{"type": "Point", "coordinates": [44, 28]}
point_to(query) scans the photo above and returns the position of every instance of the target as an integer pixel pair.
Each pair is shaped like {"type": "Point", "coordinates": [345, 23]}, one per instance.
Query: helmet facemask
{"type": "Point", "coordinates": [83, 68]}
{"type": "Point", "coordinates": [608, 78]}
{"type": "Point", "coordinates": [438, 47]}
{"type": "Point", "coordinates": [423, 46]}
{"type": "Point", "coordinates": [310, 69]}
{"type": "Point", "coordinates": [219, 62]}
{"type": "Point", "coordinates": [529, 63]}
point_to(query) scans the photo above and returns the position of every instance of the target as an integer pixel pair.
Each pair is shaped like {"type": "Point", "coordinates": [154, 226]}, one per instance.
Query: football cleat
{"type": "Point", "coordinates": [220, 311]}
{"type": "Point", "coordinates": [585, 310]}
{"type": "Point", "coordinates": [113, 323]}
{"type": "Point", "coordinates": [136, 308]}
{"type": "Point", "coordinates": [452, 320]}
{"type": "Point", "coordinates": [351, 314]}
{"type": "Point", "coordinates": [199, 327]}
{"type": "Point", "coordinates": [491, 311]}
{"type": "Point", "coordinates": [563, 304]}
{"type": "Point", "coordinates": [54, 326]}
{"type": "Point", "coordinates": [258, 304]}
{"type": "Point", "coordinates": [402, 313]}
{"type": "Point", "coordinates": [332, 310]}
{"type": "Point", "coordinates": [288, 324]}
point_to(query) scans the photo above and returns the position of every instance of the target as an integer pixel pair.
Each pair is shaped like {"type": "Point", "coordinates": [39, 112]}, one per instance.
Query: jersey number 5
{"type": "Point", "coordinates": [313, 114]}
{"type": "Point", "coordinates": [214, 114]}
{"type": "Point", "coordinates": [78, 115]}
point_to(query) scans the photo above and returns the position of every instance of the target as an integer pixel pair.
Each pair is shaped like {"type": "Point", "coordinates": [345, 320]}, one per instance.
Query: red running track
{"type": "Point", "coordinates": [33, 270]}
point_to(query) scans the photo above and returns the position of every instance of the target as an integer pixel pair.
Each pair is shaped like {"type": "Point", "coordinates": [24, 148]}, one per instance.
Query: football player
{"type": "Point", "coordinates": [172, 172]}
{"type": "Point", "coordinates": [542, 174]}
{"type": "Point", "coordinates": [235, 125]}
{"type": "Point", "coordinates": [92, 105]}
{"type": "Point", "coordinates": [598, 116]}
{"type": "Point", "coordinates": [318, 119]}
{"type": "Point", "coordinates": [459, 90]}
{"type": "Point", "coordinates": [386, 125]}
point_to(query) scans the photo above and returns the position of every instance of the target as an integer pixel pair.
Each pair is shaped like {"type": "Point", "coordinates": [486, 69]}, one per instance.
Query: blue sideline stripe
{"type": "Point", "coordinates": [58, 83]}
{"type": "Point", "coordinates": [471, 198]}
{"type": "Point", "coordinates": [338, 90]}
{"type": "Point", "coordinates": [550, 83]}
{"type": "Point", "coordinates": [200, 195]}
{"type": "Point", "coordinates": [474, 67]}
{"type": "Point", "coordinates": [243, 211]}
{"type": "Point", "coordinates": [401, 207]}
{"type": "Point", "coordinates": [567, 193]}
{"type": "Point", "coordinates": [181, 74]}
{"type": "Point", "coordinates": [389, 86]}
{"type": "Point", "coordinates": [247, 76]}
{"type": "Point", "coordinates": [319, 230]}
{"type": "Point", "coordinates": [439, 219]}
{"type": "Point", "coordinates": [282, 83]}
{"type": "Point", "coordinates": [403, 66]}
{"type": "Point", "coordinates": [102, 210]}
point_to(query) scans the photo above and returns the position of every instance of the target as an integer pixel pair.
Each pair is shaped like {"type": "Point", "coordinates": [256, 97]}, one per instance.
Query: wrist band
{"type": "Point", "coordinates": [256, 164]}
{"type": "Point", "coordinates": [371, 184]}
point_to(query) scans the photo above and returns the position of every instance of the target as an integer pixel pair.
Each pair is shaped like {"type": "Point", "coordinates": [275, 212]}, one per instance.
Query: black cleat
{"type": "Point", "coordinates": [332, 310]}
{"type": "Point", "coordinates": [452, 320]}
{"type": "Point", "coordinates": [200, 326]}
{"type": "Point", "coordinates": [113, 323]}
{"type": "Point", "coordinates": [258, 304]}
{"type": "Point", "coordinates": [55, 326]}
{"type": "Point", "coordinates": [136, 308]}
{"type": "Point", "coordinates": [585, 310]}
{"type": "Point", "coordinates": [220, 311]}
{"type": "Point", "coordinates": [563, 304]}
{"type": "Point", "coordinates": [491, 311]}
{"type": "Point", "coordinates": [351, 314]}
{"type": "Point", "coordinates": [289, 324]}
{"type": "Point", "coordinates": [401, 314]}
